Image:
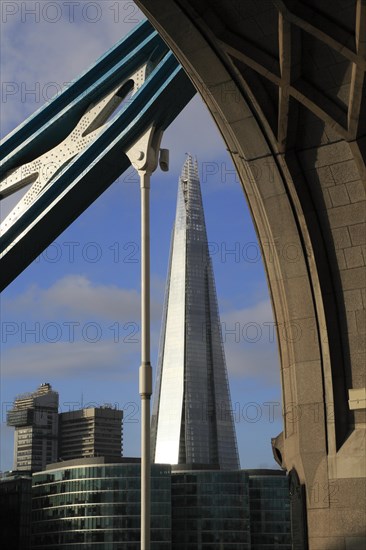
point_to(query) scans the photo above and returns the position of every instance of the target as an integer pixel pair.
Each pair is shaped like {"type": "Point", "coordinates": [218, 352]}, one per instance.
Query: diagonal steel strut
{"type": "Point", "coordinates": [70, 151]}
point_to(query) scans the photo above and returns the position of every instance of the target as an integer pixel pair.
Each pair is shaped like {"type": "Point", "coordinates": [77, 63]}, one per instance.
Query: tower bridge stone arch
{"type": "Point", "coordinates": [284, 81]}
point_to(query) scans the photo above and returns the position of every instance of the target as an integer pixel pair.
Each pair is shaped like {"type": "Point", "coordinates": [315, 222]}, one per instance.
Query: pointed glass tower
{"type": "Point", "coordinates": [192, 421]}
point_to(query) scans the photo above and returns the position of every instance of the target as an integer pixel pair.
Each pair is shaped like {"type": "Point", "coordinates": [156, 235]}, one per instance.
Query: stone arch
{"type": "Point", "coordinates": [285, 84]}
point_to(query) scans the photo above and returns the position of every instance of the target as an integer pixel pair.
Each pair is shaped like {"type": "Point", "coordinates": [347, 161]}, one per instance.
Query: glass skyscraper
{"type": "Point", "coordinates": [191, 419]}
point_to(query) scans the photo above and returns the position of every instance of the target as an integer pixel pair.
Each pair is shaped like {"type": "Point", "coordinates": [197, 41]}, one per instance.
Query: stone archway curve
{"type": "Point", "coordinates": [285, 84]}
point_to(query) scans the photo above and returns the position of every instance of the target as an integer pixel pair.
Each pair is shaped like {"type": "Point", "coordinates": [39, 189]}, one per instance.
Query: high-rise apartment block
{"type": "Point", "coordinates": [90, 433]}
{"type": "Point", "coordinates": [43, 436]}
{"type": "Point", "coordinates": [191, 420]}
{"type": "Point", "coordinates": [35, 419]}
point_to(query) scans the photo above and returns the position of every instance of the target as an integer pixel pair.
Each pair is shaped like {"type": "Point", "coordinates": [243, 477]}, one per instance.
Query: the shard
{"type": "Point", "coordinates": [192, 420]}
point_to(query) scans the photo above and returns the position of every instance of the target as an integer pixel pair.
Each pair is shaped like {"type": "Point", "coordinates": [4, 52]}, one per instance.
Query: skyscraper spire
{"type": "Point", "coordinates": [191, 420]}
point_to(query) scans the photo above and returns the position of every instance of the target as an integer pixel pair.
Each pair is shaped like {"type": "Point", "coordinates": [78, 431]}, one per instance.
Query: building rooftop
{"type": "Point", "coordinates": [92, 461]}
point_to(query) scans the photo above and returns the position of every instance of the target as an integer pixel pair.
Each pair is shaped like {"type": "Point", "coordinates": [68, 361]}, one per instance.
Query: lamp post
{"type": "Point", "coordinates": [145, 373]}
{"type": "Point", "coordinates": [144, 156]}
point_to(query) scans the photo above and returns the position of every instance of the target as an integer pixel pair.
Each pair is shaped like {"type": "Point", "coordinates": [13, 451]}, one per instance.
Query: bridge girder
{"type": "Point", "coordinates": [73, 148]}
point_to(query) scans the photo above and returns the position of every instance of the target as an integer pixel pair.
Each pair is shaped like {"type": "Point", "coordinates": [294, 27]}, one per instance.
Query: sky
{"type": "Point", "coordinates": [72, 318]}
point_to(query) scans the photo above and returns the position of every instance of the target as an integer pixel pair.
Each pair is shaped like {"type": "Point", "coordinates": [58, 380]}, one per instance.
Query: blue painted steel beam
{"type": "Point", "coordinates": [52, 122]}
{"type": "Point", "coordinates": [159, 100]}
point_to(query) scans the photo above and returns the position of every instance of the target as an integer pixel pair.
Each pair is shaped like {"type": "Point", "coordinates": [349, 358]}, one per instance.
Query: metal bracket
{"type": "Point", "coordinates": [144, 154]}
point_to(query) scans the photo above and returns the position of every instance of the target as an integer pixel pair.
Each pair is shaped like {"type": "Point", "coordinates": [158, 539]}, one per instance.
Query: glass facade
{"type": "Point", "coordinates": [191, 420]}
{"type": "Point", "coordinates": [269, 503]}
{"type": "Point", "coordinates": [210, 510]}
{"type": "Point", "coordinates": [97, 505]}
{"type": "Point", "coordinates": [171, 404]}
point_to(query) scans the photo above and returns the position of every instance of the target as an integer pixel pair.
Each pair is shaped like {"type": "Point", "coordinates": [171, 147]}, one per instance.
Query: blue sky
{"type": "Point", "coordinates": [72, 318]}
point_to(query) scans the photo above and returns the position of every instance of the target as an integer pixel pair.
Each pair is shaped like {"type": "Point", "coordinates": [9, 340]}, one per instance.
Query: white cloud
{"type": "Point", "coordinates": [67, 359]}
{"type": "Point", "coordinates": [40, 49]}
{"type": "Point", "coordinates": [258, 363]}
{"type": "Point", "coordinates": [248, 334]}
{"type": "Point", "coordinates": [78, 297]}
{"type": "Point", "coordinates": [250, 343]}
{"type": "Point", "coordinates": [261, 313]}
{"type": "Point", "coordinates": [75, 326]}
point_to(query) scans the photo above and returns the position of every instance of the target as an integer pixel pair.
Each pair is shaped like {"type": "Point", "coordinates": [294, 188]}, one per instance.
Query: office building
{"type": "Point", "coordinates": [269, 505]}
{"type": "Point", "coordinates": [15, 510]}
{"type": "Point", "coordinates": [191, 419]}
{"type": "Point", "coordinates": [210, 509]}
{"type": "Point", "coordinates": [95, 503]}
{"type": "Point", "coordinates": [90, 432]}
{"type": "Point", "coordinates": [35, 419]}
